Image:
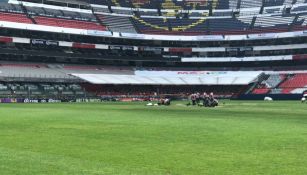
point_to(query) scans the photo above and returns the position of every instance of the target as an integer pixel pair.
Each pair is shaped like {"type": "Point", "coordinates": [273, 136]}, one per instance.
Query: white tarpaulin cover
{"type": "Point", "coordinates": [174, 78]}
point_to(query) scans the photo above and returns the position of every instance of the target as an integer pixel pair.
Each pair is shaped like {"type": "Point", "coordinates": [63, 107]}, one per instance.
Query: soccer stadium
{"type": "Point", "coordinates": [153, 87]}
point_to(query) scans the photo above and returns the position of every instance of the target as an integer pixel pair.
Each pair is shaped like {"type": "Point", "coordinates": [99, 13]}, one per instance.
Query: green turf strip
{"type": "Point", "coordinates": [239, 137]}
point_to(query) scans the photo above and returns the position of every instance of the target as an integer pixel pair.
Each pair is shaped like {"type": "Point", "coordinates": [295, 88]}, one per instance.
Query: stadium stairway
{"type": "Point", "coordinates": [117, 23]}
{"type": "Point", "coordinates": [98, 19]}
{"type": "Point", "coordinates": [27, 14]}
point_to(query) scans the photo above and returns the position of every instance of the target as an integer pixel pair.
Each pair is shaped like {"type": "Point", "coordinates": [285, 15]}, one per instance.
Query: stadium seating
{"type": "Point", "coordinates": [15, 17]}
{"type": "Point", "coordinates": [150, 22]}
{"type": "Point", "coordinates": [195, 4]}
{"type": "Point", "coordinates": [166, 17]}
{"type": "Point", "coordinates": [31, 71]}
{"type": "Point", "coordinates": [274, 80]}
{"type": "Point", "coordinates": [41, 90]}
{"type": "Point", "coordinates": [118, 23]}
{"type": "Point", "coordinates": [250, 4]}
{"type": "Point", "coordinates": [68, 23]}
{"type": "Point", "coordinates": [6, 7]}
{"type": "Point", "coordinates": [261, 91]}
{"type": "Point", "coordinates": [294, 82]}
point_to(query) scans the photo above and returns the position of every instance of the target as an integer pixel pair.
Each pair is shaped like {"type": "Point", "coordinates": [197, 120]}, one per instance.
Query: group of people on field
{"type": "Point", "coordinates": [164, 101]}
{"type": "Point", "coordinates": [206, 100]}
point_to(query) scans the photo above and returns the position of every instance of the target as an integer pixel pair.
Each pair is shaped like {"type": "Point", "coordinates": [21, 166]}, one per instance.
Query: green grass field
{"type": "Point", "coordinates": [237, 138]}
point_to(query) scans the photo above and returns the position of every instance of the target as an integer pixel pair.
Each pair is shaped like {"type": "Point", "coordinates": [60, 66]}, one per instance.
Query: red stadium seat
{"type": "Point", "coordinates": [15, 17]}
{"type": "Point", "coordinates": [69, 23]}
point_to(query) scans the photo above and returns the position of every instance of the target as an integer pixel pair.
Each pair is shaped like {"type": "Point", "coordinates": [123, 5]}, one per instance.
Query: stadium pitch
{"type": "Point", "coordinates": [237, 138]}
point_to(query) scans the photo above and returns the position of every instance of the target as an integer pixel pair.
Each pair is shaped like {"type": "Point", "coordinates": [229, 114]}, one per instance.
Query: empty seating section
{"type": "Point", "coordinates": [273, 24]}
{"type": "Point", "coordinates": [151, 22]}
{"type": "Point", "coordinates": [250, 4]}
{"type": "Point", "coordinates": [300, 23]}
{"type": "Point", "coordinates": [59, 13]}
{"type": "Point", "coordinates": [101, 9]}
{"type": "Point", "coordinates": [30, 71]}
{"type": "Point", "coordinates": [195, 4]}
{"type": "Point", "coordinates": [118, 23]}
{"type": "Point", "coordinates": [40, 90]}
{"type": "Point", "coordinates": [149, 13]}
{"type": "Point", "coordinates": [261, 90]}
{"type": "Point", "coordinates": [50, 17]}
{"type": "Point", "coordinates": [186, 25]}
{"type": "Point", "coordinates": [194, 26]}
{"type": "Point", "coordinates": [268, 3]}
{"type": "Point", "coordinates": [151, 25]}
{"type": "Point", "coordinates": [273, 10]}
{"type": "Point", "coordinates": [228, 26]}
{"type": "Point", "coordinates": [122, 11]}
{"type": "Point", "coordinates": [36, 11]}
{"type": "Point", "coordinates": [269, 85]}
{"type": "Point", "coordinates": [300, 1]}
{"type": "Point", "coordinates": [5, 7]}
{"type": "Point", "coordinates": [69, 23]}
{"type": "Point", "coordinates": [271, 21]}
{"type": "Point", "coordinates": [299, 9]}
{"type": "Point", "coordinates": [72, 69]}
{"type": "Point", "coordinates": [288, 2]}
{"type": "Point", "coordinates": [52, 12]}
{"type": "Point", "coordinates": [297, 81]}
{"type": "Point", "coordinates": [231, 4]}
{"type": "Point", "coordinates": [282, 84]}
{"type": "Point", "coordinates": [55, 71]}
{"type": "Point", "coordinates": [164, 4]}
{"type": "Point", "coordinates": [274, 80]}
{"type": "Point", "coordinates": [14, 17]}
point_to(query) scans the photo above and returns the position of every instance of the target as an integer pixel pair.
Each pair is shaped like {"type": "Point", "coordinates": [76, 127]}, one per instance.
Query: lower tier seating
{"type": "Point", "coordinates": [15, 17]}
{"type": "Point", "coordinates": [283, 84]}
{"type": "Point", "coordinates": [297, 81]}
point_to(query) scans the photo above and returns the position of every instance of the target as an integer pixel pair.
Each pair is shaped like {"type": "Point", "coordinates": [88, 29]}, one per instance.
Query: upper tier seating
{"type": "Point", "coordinates": [266, 23]}
{"type": "Point", "coordinates": [52, 17]}
{"type": "Point", "coordinates": [60, 13]}
{"type": "Point", "coordinates": [69, 23]}
{"type": "Point", "coordinates": [194, 4]}
{"type": "Point", "coordinates": [228, 25]}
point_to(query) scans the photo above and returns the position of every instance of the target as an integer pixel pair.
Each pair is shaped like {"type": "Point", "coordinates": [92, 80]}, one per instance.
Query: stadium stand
{"type": "Point", "coordinates": [149, 21]}
{"type": "Point", "coordinates": [69, 23]}
{"type": "Point", "coordinates": [118, 23]}
{"type": "Point", "coordinates": [295, 84]}
{"type": "Point", "coordinates": [104, 41]}
{"type": "Point", "coordinates": [15, 17]}
{"type": "Point", "coordinates": [41, 90]}
{"type": "Point", "coordinates": [291, 83]}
